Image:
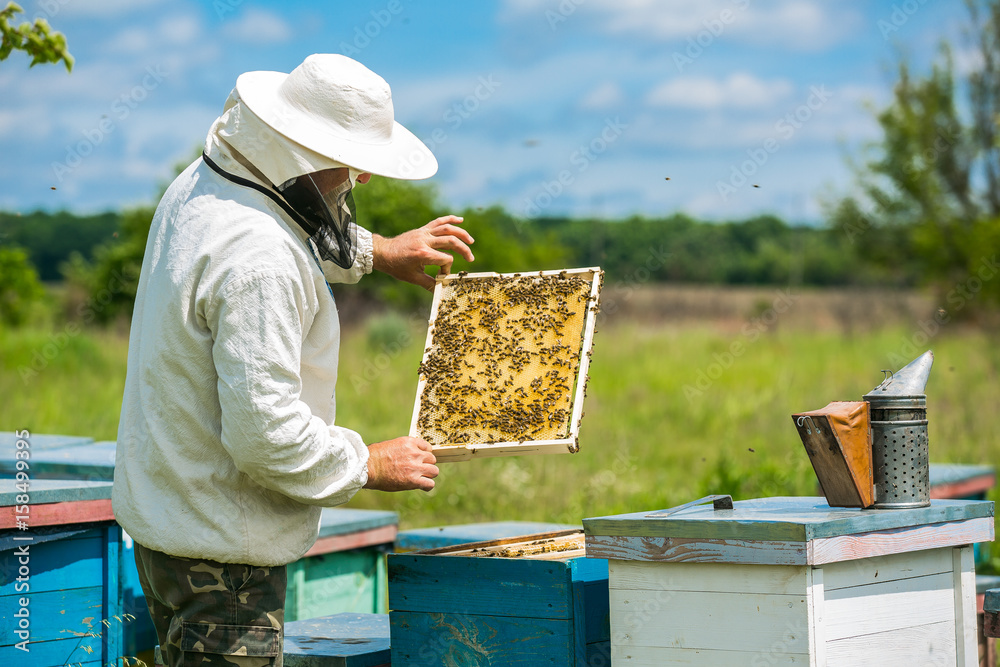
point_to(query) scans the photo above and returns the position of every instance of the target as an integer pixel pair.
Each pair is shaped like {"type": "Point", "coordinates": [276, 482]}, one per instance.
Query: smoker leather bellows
{"type": "Point", "coordinates": [839, 446]}
{"type": "Point", "coordinates": [898, 408]}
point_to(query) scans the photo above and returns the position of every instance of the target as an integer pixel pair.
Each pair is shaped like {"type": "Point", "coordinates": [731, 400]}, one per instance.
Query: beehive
{"type": "Point", "coordinates": [505, 366]}
{"type": "Point", "coordinates": [60, 579]}
{"type": "Point", "coordinates": [793, 581]}
{"type": "Point", "coordinates": [528, 600]}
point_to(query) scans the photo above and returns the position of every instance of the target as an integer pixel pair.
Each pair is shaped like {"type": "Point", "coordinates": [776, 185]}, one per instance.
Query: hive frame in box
{"type": "Point", "coordinates": [569, 444]}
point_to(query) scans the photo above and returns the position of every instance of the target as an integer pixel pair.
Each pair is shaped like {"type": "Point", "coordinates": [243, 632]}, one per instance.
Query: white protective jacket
{"type": "Point", "coordinates": [226, 444]}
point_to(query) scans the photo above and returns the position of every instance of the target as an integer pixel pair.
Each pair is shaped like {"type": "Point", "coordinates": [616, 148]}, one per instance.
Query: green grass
{"type": "Point", "coordinates": [646, 442]}
{"type": "Point", "coordinates": [67, 381]}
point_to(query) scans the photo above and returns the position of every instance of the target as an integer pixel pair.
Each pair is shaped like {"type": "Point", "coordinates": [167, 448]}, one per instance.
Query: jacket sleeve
{"type": "Point", "coordinates": [257, 322]}
{"type": "Point", "coordinates": [362, 262]}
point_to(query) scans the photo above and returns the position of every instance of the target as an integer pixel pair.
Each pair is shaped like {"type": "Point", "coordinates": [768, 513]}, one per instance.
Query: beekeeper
{"type": "Point", "coordinates": [227, 445]}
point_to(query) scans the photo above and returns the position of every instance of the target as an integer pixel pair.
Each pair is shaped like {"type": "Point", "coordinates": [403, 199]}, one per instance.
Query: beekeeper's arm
{"type": "Point", "coordinates": [257, 321]}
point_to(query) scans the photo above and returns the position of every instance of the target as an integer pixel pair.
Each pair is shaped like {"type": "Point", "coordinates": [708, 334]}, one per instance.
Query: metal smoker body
{"type": "Point", "coordinates": [900, 455]}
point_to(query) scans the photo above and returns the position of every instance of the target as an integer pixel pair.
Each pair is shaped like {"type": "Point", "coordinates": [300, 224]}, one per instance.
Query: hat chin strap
{"type": "Point", "coordinates": [272, 193]}
{"type": "Point", "coordinates": [334, 243]}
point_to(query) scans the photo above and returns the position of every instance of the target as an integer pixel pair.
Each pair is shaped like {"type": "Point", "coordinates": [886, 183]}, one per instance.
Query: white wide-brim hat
{"type": "Point", "coordinates": [339, 108]}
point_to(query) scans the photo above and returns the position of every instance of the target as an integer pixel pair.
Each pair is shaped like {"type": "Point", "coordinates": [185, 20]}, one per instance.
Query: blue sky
{"type": "Point", "coordinates": [580, 107]}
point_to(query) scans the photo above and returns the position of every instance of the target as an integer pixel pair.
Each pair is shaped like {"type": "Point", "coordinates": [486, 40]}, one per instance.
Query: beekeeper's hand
{"type": "Point", "coordinates": [401, 465]}
{"type": "Point", "coordinates": [405, 256]}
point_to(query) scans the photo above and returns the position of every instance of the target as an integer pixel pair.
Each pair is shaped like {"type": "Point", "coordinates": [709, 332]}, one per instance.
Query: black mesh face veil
{"type": "Point", "coordinates": [326, 202]}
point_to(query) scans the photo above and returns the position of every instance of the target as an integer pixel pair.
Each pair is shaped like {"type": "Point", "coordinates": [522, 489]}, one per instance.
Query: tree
{"type": "Point", "coordinates": [929, 201]}
{"type": "Point", "coordinates": [36, 39]}
{"type": "Point", "coordinates": [389, 207]}
{"type": "Point", "coordinates": [19, 286]}
{"type": "Point", "coordinates": [111, 279]}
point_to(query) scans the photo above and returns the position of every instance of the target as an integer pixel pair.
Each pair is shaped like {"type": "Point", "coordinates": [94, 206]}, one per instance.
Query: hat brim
{"type": "Point", "coordinates": [403, 157]}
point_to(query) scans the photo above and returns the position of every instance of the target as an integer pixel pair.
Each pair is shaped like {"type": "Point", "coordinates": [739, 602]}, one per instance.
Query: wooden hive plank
{"type": "Point", "coordinates": [900, 540]}
{"type": "Point", "coordinates": [708, 577]}
{"type": "Point", "coordinates": [964, 588]}
{"type": "Point", "coordinates": [56, 653]}
{"type": "Point", "coordinates": [926, 644]}
{"type": "Point", "coordinates": [435, 639]}
{"type": "Point", "coordinates": [881, 569]}
{"type": "Point", "coordinates": [889, 606]}
{"type": "Point", "coordinates": [654, 656]}
{"type": "Point", "coordinates": [57, 614]}
{"type": "Point", "coordinates": [503, 586]}
{"type": "Point", "coordinates": [80, 558]}
{"type": "Point", "coordinates": [742, 622]}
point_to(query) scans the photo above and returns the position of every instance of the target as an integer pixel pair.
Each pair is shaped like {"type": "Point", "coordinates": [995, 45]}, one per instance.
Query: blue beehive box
{"type": "Point", "coordinates": [74, 458]}
{"type": "Point", "coordinates": [68, 597]}
{"type": "Point", "coordinates": [531, 600]}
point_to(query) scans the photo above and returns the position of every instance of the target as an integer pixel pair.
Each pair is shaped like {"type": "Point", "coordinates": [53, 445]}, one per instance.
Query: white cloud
{"type": "Point", "coordinates": [541, 89]}
{"type": "Point", "coordinates": [607, 95]}
{"type": "Point", "coordinates": [739, 90]}
{"type": "Point", "coordinates": [258, 26]}
{"type": "Point", "coordinates": [801, 25]}
{"type": "Point", "coordinates": [179, 30]}
{"type": "Point", "coordinates": [103, 9]}
{"type": "Point", "coordinates": [130, 40]}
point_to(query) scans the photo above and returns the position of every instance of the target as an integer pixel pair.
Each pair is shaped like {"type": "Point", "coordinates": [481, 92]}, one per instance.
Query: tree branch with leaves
{"type": "Point", "coordinates": [927, 202]}
{"type": "Point", "coordinates": [37, 39]}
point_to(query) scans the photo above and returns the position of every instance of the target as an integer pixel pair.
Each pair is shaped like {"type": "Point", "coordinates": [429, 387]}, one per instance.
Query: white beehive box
{"type": "Point", "coordinates": [505, 366]}
{"type": "Point", "coordinates": [791, 581]}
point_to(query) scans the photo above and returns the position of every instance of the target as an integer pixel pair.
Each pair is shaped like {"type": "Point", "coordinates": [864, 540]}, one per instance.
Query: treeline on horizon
{"type": "Point", "coordinates": [762, 250]}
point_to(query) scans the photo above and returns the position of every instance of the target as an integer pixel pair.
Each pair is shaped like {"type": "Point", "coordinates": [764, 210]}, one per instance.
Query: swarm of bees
{"type": "Point", "coordinates": [504, 357]}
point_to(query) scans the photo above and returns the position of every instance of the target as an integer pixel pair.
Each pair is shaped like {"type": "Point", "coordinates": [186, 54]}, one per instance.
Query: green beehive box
{"type": "Point", "coordinates": [344, 571]}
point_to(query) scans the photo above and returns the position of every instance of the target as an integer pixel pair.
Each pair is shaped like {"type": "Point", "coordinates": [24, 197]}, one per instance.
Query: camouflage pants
{"type": "Point", "coordinates": [208, 613]}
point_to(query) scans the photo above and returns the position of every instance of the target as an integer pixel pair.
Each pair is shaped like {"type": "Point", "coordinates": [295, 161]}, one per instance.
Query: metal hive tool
{"type": "Point", "coordinates": [505, 365]}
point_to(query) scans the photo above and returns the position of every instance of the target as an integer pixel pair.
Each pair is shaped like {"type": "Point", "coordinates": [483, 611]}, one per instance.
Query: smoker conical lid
{"type": "Point", "coordinates": [907, 381]}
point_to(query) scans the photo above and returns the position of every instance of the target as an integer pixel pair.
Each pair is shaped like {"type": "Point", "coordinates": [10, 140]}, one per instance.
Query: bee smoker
{"type": "Point", "coordinates": [898, 409]}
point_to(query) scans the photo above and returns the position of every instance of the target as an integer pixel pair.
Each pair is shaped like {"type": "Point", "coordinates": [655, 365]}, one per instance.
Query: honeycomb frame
{"type": "Point", "coordinates": [504, 369]}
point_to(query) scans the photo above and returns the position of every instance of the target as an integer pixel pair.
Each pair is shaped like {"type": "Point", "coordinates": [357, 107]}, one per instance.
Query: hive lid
{"type": "Point", "coordinates": [45, 491]}
{"type": "Point", "coordinates": [797, 519]}
{"type": "Point", "coordinates": [910, 380]}
{"type": "Point", "coordinates": [344, 520]}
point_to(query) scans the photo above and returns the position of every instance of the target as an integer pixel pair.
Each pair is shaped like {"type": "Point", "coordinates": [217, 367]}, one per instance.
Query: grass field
{"type": "Point", "coordinates": [684, 400]}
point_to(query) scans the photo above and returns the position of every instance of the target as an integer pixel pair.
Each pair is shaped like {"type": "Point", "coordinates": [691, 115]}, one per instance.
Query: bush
{"type": "Point", "coordinates": [111, 280]}
{"type": "Point", "coordinates": [20, 289]}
